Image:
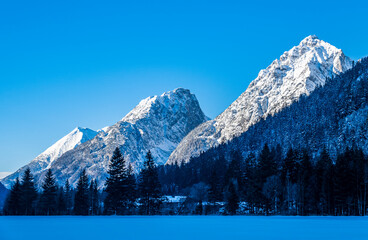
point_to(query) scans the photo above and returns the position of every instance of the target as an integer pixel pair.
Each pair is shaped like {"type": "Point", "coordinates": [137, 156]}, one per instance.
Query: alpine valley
{"type": "Point", "coordinates": [308, 97]}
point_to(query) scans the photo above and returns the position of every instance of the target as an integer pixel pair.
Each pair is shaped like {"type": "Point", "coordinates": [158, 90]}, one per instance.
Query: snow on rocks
{"type": "Point", "coordinates": [297, 72]}
{"type": "Point", "coordinates": [44, 160]}
{"type": "Point", "coordinates": [157, 123]}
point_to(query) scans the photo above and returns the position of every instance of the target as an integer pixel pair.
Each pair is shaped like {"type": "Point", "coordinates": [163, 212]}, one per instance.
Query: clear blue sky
{"type": "Point", "coordinates": [65, 64]}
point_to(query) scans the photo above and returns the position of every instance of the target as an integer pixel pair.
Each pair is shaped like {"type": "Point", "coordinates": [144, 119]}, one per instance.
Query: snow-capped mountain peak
{"type": "Point", "coordinates": [44, 161]}
{"type": "Point", "coordinates": [71, 140]}
{"type": "Point", "coordinates": [297, 72]}
{"type": "Point", "coordinates": [157, 123]}
{"type": "Point", "coordinates": [170, 100]}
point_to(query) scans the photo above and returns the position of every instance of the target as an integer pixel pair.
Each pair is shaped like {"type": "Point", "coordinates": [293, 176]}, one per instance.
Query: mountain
{"type": "Point", "coordinates": [157, 123]}
{"type": "Point", "coordinates": [297, 72]}
{"type": "Point", "coordinates": [45, 159]}
{"type": "Point", "coordinates": [3, 194]}
{"type": "Point", "coordinates": [334, 117]}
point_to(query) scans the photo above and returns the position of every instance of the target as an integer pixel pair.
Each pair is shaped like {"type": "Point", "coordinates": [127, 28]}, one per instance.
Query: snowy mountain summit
{"type": "Point", "coordinates": [297, 72]}
{"type": "Point", "coordinates": [44, 160]}
{"type": "Point", "coordinates": [157, 123]}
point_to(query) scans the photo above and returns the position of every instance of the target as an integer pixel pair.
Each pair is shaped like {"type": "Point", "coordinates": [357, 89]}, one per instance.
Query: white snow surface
{"type": "Point", "coordinates": [297, 72]}
{"type": "Point", "coordinates": [70, 141]}
{"type": "Point", "coordinates": [44, 160]}
{"type": "Point", "coordinates": [174, 199]}
{"type": "Point", "coordinates": [182, 227]}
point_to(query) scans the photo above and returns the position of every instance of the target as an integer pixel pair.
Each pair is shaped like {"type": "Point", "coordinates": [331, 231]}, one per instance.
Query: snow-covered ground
{"type": "Point", "coordinates": [184, 227]}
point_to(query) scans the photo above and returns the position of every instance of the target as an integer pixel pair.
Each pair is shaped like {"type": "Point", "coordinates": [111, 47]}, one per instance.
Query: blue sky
{"type": "Point", "coordinates": [66, 63]}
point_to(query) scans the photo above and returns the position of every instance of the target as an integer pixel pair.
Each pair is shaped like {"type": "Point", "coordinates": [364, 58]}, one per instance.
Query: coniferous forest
{"type": "Point", "coordinates": [267, 184]}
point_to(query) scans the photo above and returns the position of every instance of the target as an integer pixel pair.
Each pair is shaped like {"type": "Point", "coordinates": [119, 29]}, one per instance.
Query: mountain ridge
{"type": "Point", "coordinates": [157, 123]}
{"type": "Point", "coordinates": [43, 161]}
{"type": "Point", "coordinates": [340, 123]}
{"type": "Point", "coordinates": [297, 72]}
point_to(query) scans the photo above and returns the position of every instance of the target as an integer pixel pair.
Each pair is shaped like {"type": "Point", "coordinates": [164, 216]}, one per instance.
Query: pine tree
{"type": "Point", "coordinates": [61, 202]}
{"type": "Point", "coordinates": [271, 190]}
{"type": "Point", "coordinates": [28, 193]}
{"type": "Point", "coordinates": [116, 185]}
{"type": "Point", "coordinates": [232, 203]}
{"type": "Point", "coordinates": [68, 198]}
{"type": "Point", "coordinates": [266, 168]}
{"type": "Point", "coordinates": [81, 200]}
{"type": "Point", "coordinates": [149, 186]}
{"type": "Point", "coordinates": [359, 161]}
{"type": "Point", "coordinates": [324, 184]}
{"type": "Point", "coordinates": [13, 201]}
{"type": "Point", "coordinates": [131, 191]}
{"type": "Point", "coordinates": [344, 183]}
{"type": "Point", "coordinates": [217, 180]}
{"type": "Point", "coordinates": [289, 177]}
{"type": "Point", "coordinates": [93, 197]}
{"type": "Point", "coordinates": [267, 164]}
{"type": "Point", "coordinates": [305, 193]}
{"type": "Point", "coordinates": [290, 166]}
{"type": "Point", "coordinates": [234, 171]}
{"type": "Point", "coordinates": [252, 188]}
{"type": "Point", "coordinates": [49, 194]}
{"type": "Point", "coordinates": [214, 193]}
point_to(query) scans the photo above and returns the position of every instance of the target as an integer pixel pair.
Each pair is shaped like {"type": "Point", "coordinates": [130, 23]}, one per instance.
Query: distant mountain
{"type": "Point", "coordinates": [297, 72]}
{"type": "Point", "coordinates": [45, 159]}
{"type": "Point", "coordinates": [3, 194]}
{"type": "Point", "coordinates": [334, 117]}
{"type": "Point", "coordinates": [157, 123]}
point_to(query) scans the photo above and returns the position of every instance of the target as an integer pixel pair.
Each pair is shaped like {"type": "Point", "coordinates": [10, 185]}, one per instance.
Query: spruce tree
{"type": "Point", "coordinates": [116, 185]}
{"type": "Point", "coordinates": [234, 171]}
{"type": "Point", "coordinates": [61, 202]}
{"type": "Point", "coordinates": [81, 199]}
{"type": "Point", "coordinates": [49, 194]}
{"type": "Point", "coordinates": [344, 183]}
{"type": "Point", "coordinates": [28, 193]}
{"type": "Point", "coordinates": [68, 198]}
{"type": "Point", "coordinates": [131, 191]}
{"type": "Point", "coordinates": [216, 181]}
{"type": "Point", "coordinates": [266, 168]}
{"type": "Point", "coordinates": [214, 193]}
{"type": "Point", "coordinates": [93, 197]}
{"type": "Point", "coordinates": [324, 184]}
{"type": "Point", "coordinates": [13, 201]}
{"type": "Point", "coordinates": [289, 177]}
{"type": "Point", "coordinates": [252, 188]}
{"type": "Point", "coordinates": [267, 164]}
{"type": "Point", "coordinates": [232, 203]}
{"type": "Point", "coordinates": [272, 190]}
{"type": "Point", "coordinates": [305, 193]}
{"type": "Point", "coordinates": [290, 166]}
{"type": "Point", "coordinates": [149, 186]}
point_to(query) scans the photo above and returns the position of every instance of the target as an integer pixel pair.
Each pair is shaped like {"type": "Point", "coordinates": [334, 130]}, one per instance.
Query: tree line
{"type": "Point", "coordinates": [270, 183]}
{"type": "Point", "coordinates": [123, 194]}
{"type": "Point", "coordinates": [267, 184]}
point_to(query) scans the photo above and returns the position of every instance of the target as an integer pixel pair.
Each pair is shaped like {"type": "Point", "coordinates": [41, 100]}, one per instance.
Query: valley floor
{"type": "Point", "coordinates": [183, 227]}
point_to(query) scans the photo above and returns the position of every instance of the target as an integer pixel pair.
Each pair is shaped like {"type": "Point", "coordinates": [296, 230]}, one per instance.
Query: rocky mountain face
{"type": "Point", "coordinates": [45, 159]}
{"type": "Point", "coordinates": [297, 72]}
{"type": "Point", "coordinates": [333, 117]}
{"type": "Point", "coordinates": [158, 124]}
